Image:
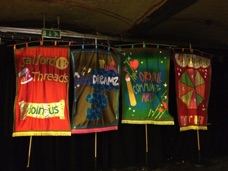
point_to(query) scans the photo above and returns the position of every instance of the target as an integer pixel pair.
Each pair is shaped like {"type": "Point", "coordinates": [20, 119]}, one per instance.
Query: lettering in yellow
{"type": "Point", "coordinates": [35, 60]}
{"type": "Point", "coordinates": [50, 77]}
{"type": "Point", "coordinates": [42, 110]}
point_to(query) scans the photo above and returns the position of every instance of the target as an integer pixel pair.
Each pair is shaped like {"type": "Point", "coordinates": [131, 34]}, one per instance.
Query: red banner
{"type": "Point", "coordinates": [41, 102]}
{"type": "Point", "coordinates": [193, 76]}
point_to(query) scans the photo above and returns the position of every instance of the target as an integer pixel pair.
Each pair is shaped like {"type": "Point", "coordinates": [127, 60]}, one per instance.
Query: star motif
{"type": "Point", "coordinates": [165, 85]}
{"type": "Point", "coordinates": [125, 68]}
{"type": "Point", "coordinates": [89, 70]}
{"type": "Point", "coordinates": [160, 109]}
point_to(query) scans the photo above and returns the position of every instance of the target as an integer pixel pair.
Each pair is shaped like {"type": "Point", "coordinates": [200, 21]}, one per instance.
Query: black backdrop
{"type": "Point", "coordinates": [115, 149]}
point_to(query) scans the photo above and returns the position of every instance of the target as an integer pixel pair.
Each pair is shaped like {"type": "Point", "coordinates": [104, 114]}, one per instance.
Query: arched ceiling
{"type": "Point", "coordinates": [204, 23]}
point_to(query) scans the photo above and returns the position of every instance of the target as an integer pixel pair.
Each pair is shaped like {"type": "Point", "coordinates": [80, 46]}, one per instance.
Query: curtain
{"type": "Point", "coordinates": [123, 148]}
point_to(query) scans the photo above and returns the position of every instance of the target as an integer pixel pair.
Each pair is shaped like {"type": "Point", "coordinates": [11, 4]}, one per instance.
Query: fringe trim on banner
{"type": "Point", "coordinates": [161, 122]}
{"type": "Point", "coordinates": [186, 128]}
{"type": "Point", "coordinates": [92, 130]}
{"type": "Point", "coordinates": [42, 133]}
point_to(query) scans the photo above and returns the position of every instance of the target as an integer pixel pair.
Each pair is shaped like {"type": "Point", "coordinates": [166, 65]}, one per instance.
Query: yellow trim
{"type": "Point", "coordinates": [42, 133]}
{"type": "Point", "coordinates": [186, 128]}
{"type": "Point", "coordinates": [147, 122]}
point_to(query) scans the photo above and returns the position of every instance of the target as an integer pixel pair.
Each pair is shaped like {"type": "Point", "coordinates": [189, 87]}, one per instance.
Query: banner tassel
{"type": "Point", "coordinates": [29, 151]}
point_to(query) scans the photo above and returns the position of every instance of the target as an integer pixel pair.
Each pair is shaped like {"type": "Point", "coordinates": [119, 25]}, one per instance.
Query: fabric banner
{"type": "Point", "coordinates": [193, 75]}
{"type": "Point", "coordinates": [145, 82]}
{"type": "Point", "coordinates": [41, 102]}
{"type": "Point", "coordinates": [96, 87]}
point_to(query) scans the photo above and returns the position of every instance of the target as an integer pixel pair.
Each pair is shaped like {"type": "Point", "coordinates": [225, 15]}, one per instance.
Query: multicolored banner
{"type": "Point", "coordinates": [145, 82]}
{"type": "Point", "coordinates": [96, 87]}
{"type": "Point", "coordinates": [193, 75]}
{"type": "Point", "coordinates": [41, 102]}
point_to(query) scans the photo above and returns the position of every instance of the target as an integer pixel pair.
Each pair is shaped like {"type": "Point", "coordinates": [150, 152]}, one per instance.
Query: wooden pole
{"type": "Point", "coordinates": [29, 151]}
{"type": "Point", "coordinates": [95, 152]}
{"type": "Point", "coordinates": [146, 135]}
{"type": "Point", "coordinates": [145, 167]}
{"type": "Point", "coordinates": [198, 144]}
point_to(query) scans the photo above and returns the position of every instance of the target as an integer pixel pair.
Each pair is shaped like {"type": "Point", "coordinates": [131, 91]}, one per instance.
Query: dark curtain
{"type": "Point", "coordinates": [115, 149]}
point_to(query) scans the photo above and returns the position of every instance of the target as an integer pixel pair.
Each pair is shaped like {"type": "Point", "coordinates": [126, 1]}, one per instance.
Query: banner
{"type": "Point", "coordinates": [41, 102]}
{"type": "Point", "coordinates": [193, 75]}
{"type": "Point", "coordinates": [145, 82]}
{"type": "Point", "coordinates": [96, 91]}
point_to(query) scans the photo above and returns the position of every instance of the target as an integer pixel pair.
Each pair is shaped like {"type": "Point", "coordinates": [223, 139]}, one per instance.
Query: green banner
{"type": "Point", "coordinates": [145, 82]}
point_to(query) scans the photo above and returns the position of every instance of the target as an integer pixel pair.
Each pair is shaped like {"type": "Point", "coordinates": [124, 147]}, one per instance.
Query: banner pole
{"type": "Point", "coordinates": [95, 138]}
{"type": "Point", "coordinates": [146, 135]}
{"type": "Point", "coordinates": [29, 151]}
{"type": "Point", "coordinates": [95, 152]}
{"type": "Point", "coordinates": [146, 168]}
{"type": "Point", "coordinates": [198, 144]}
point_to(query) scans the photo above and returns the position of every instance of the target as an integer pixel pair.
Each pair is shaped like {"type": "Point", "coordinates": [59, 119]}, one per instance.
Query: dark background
{"type": "Point", "coordinates": [115, 149]}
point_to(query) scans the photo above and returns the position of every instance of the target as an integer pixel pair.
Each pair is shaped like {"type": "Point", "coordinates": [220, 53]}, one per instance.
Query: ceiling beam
{"type": "Point", "coordinates": [169, 9]}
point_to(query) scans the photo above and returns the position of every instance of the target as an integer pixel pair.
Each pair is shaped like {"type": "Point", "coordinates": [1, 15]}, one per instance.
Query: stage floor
{"type": "Point", "coordinates": [217, 164]}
